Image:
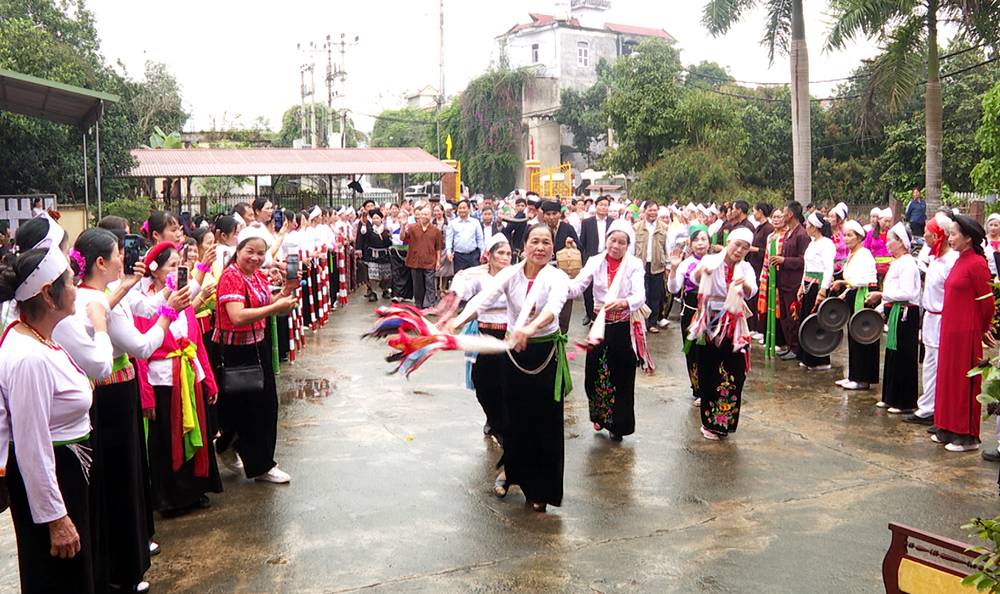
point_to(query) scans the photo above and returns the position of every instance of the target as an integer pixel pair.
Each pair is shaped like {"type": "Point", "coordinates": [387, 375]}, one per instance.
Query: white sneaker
{"type": "Point", "coordinates": [954, 447]}
{"type": "Point", "coordinates": [696, 402]}
{"type": "Point", "coordinates": [819, 367]}
{"type": "Point", "coordinates": [275, 475]}
{"type": "Point", "coordinates": [854, 386]}
{"type": "Point", "coordinates": [881, 404]}
{"type": "Point", "coordinates": [663, 323]}
{"type": "Point", "coordinates": [757, 336]}
{"type": "Point", "coordinates": [231, 460]}
{"type": "Point", "coordinates": [841, 382]}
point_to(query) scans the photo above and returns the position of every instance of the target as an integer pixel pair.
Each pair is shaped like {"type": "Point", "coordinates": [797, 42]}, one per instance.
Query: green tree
{"type": "Point", "coordinates": [581, 113]}
{"type": "Point", "coordinates": [986, 173]}
{"type": "Point", "coordinates": [688, 173]}
{"type": "Point", "coordinates": [908, 32]}
{"type": "Point", "coordinates": [291, 127]}
{"type": "Point", "coordinates": [642, 106]}
{"type": "Point", "coordinates": [404, 127]}
{"type": "Point", "coordinates": [156, 100]}
{"type": "Point", "coordinates": [707, 75]}
{"type": "Point", "coordinates": [784, 31]}
{"type": "Point", "coordinates": [41, 38]}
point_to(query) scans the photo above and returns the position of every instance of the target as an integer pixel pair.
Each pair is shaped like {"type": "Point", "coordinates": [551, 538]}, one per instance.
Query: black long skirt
{"type": "Point", "coordinates": [402, 281]}
{"type": "Point", "coordinates": [862, 359]}
{"type": "Point", "coordinates": [808, 302]}
{"type": "Point", "coordinates": [899, 386]}
{"type": "Point", "coordinates": [249, 422]}
{"type": "Point", "coordinates": [533, 425]}
{"type": "Point", "coordinates": [691, 356]}
{"type": "Point", "coordinates": [721, 374]}
{"type": "Point", "coordinates": [609, 380]}
{"type": "Point", "coordinates": [116, 435]}
{"type": "Point", "coordinates": [485, 373]}
{"type": "Point", "coordinates": [41, 573]}
{"type": "Point", "coordinates": [180, 489]}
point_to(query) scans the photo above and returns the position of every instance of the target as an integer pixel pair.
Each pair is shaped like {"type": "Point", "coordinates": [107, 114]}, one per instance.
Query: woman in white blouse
{"type": "Point", "coordinates": [682, 281]}
{"type": "Point", "coordinates": [859, 275]}
{"type": "Point", "coordinates": [900, 298]}
{"type": "Point", "coordinates": [725, 349]}
{"type": "Point", "coordinates": [618, 279]}
{"type": "Point", "coordinates": [817, 275]}
{"type": "Point", "coordinates": [45, 416]}
{"type": "Point", "coordinates": [535, 377]}
{"type": "Point", "coordinates": [491, 321]}
{"type": "Point", "coordinates": [119, 450]}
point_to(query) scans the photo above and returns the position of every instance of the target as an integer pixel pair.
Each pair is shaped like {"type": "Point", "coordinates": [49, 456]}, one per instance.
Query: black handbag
{"type": "Point", "coordinates": [243, 379]}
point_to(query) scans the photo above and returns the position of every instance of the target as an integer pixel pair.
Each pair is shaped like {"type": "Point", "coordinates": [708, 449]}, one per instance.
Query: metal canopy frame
{"type": "Point", "coordinates": [63, 104]}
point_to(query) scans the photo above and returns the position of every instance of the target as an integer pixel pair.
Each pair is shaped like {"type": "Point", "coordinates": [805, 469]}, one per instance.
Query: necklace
{"type": "Point", "coordinates": [40, 338]}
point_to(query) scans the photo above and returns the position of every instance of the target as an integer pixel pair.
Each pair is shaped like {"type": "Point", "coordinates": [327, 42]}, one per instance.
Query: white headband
{"type": "Point", "coordinates": [886, 212]}
{"type": "Point", "coordinates": [52, 266]}
{"type": "Point", "coordinates": [315, 212]}
{"type": "Point", "coordinates": [899, 230]}
{"type": "Point", "coordinates": [239, 219]}
{"type": "Point", "coordinates": [740, 234]}
{"type": "Point", "coordinates": [856, 227]}
{"type": "Point", "coordinates": [993, 217]}
{"type": "Point", "coordinates": [53, 236]}
{"type": "Point", "coordinates": [495, 239]}
{"type": "Point", "coordinates": [623, 226]}
{"type": "Point", "coordinates": [814, 220]}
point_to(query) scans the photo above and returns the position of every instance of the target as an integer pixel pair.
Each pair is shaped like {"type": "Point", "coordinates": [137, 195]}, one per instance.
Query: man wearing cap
{"type": "Point", "coordinates": [593, 231]}
{"type": "Point", "coordinates": [651, 249]}
{"type": "Point", "coordinates": [464, 241]}
{"type": "Point", "coordinates": [790, 265]}
{"type": "Point", "coordinates": [564, 236]}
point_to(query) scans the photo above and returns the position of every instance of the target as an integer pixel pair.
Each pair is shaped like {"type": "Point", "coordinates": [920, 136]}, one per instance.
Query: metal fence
{"type": "Point", "coordinates": [296, 202]}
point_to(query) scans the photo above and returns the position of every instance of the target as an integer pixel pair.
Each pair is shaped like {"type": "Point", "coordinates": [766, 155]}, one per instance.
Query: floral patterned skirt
{"type": "Point", "coordinates": [721, 374]}
{"type": "Point", "coordinates": [609, 380]}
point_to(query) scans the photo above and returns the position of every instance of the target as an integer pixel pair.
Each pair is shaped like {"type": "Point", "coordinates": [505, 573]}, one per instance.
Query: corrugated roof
{"type": "Point", "coordinates": [49, 100]}
{"type": "Point", "coordinates": [642, 31]}
{"type": "Point", "coordinates": [282, 161]}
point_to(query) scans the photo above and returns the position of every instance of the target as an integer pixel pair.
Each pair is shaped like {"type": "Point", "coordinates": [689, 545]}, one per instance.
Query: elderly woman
{"type": "Point", "coordinates": [44, 414]}
{"type": "Point", "coordinates": [619, 289]}
{"type": "Point", "coordinates": [965, 324]}
{"type": "Point", "coordinates": [682, 280]}
{"type": "Point", "coordinates": [817, 276]}
{"type": "Point", "coordinates": [535, 378]}
{"type": "Point", "coordinates": [900, 296]}
{"type": "Point", "coordinates": [859, 276]}
{"type": "Point", "coordinates": [725, 280]}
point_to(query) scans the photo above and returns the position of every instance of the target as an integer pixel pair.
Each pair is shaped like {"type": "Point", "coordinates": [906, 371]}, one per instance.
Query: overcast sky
{"type": "Point", "coordinates": [240, 58]}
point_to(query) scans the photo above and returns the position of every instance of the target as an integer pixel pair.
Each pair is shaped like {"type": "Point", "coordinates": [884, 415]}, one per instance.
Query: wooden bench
{"type": "Point", "coordinates": [919, 562]}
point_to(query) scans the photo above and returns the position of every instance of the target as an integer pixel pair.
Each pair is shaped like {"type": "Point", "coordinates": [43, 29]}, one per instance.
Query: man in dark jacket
{"type": "Point", "coordinates": [565, 236]}
{"type": "Point", "coordinates": [790, 264]}
{"type": "Point", "coordinates": [593, 231]}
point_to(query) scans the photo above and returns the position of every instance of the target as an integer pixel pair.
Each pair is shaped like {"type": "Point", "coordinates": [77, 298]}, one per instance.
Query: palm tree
{"type": "Point", "coordinates": [784, 31]}
{"type": "Point", "coordinates": [905, 28]}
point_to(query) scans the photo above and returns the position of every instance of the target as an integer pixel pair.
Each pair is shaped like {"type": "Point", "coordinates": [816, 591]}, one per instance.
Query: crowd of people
{"type": "Point", "coordinates": [129, 381]}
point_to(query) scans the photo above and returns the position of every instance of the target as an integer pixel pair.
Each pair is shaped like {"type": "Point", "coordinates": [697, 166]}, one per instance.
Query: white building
{"type": "Point", "coordinates": [565, 47]}
{"type": "Point", "coordinates": [425, 99]}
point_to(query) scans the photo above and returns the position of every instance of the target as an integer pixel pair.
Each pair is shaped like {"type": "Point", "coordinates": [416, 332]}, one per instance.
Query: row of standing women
{"type": "Point", "coordinates": [88, 466]}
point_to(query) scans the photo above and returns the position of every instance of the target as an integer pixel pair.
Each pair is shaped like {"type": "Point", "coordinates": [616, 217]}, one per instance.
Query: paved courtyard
{"type": "Point", "coordinates": [392, 489]}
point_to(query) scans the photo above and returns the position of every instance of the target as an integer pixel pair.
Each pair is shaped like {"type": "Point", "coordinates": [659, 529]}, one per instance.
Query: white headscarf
{"type": "Point", "coordinates": [900, 231]}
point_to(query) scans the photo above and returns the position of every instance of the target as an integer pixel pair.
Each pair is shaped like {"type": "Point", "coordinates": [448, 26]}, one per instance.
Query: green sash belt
{"type": "Point", "coordinates": [815, 275]}
{"type": "Point", "coordinates": [563, 385]}
{"type": "Point", "coordinates": [859, 298]}
{"type": "Point", "coordinates": [77, 440]}
{"type": "Point", "coordinates": [895, 314]}
{"type": "Point", "coordinates": [120, 363]}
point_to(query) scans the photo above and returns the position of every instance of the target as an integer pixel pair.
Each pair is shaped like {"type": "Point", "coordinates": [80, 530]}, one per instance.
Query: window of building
{"type": "Point", "coordinates": [534, 53]}
{"type": "Point", "coordinates": [583, 54]}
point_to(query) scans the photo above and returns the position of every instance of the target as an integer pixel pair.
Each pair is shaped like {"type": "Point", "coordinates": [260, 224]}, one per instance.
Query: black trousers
{"type": "Point", "coordinates": [423, 287]}
{"type": "Point", "coordinates": [654, 296]}
{"type": "Point", "coordinates": [463, 261]}
{"type": "Point", "coordinates": [402, 283]}
{"type": "Point", "coordinates": [249, 422]}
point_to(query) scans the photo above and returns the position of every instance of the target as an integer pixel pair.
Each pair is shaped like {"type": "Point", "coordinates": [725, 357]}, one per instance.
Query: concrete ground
{"type": "Point", "coordinates": [392, 489]}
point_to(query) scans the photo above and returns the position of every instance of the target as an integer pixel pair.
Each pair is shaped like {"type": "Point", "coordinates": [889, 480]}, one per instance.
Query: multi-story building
{"type": "Point", "coordinates": [565, 47]}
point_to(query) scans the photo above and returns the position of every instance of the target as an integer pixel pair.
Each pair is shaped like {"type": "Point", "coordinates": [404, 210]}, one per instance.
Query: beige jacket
{"type": "Point", "coordinates": [658, 261]}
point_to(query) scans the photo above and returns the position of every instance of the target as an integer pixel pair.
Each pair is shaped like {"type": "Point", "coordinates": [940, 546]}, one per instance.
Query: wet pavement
{"type": "Point", "coordinates": [392, 489]}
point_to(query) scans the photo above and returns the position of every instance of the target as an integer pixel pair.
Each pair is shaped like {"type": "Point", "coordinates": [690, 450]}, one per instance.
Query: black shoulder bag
{"type": "Point", "coordinates": [243, 379]}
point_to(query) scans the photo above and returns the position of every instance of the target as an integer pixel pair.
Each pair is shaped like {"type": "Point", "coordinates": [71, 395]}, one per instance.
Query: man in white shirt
{"type": "Point", "coordinates": [593, 232]}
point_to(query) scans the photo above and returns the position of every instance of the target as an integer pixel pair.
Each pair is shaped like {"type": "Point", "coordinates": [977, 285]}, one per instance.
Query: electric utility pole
{"type": "Point", "coordinates": [342, 74]}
